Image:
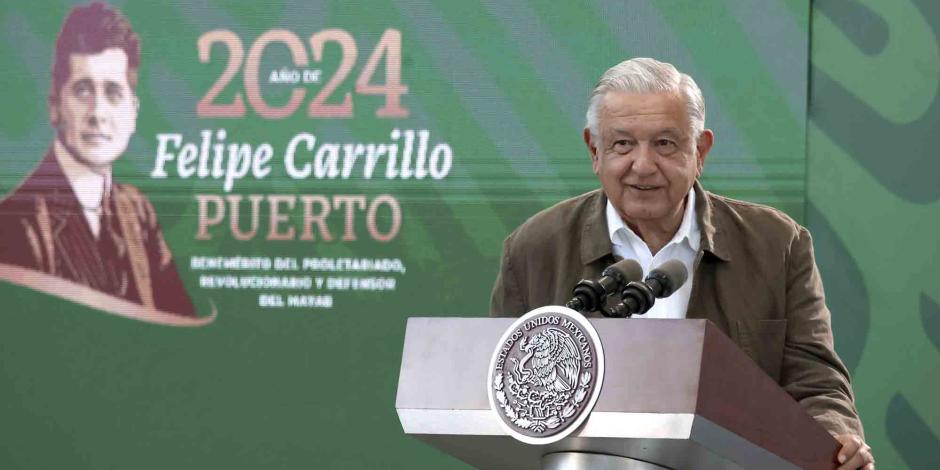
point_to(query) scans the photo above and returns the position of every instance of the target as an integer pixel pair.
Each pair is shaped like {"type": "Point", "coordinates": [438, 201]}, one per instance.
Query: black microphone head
{"type": "Point", "coordinates": [627, 269]}
{"type": "Point", "coordinates": [671, 275]}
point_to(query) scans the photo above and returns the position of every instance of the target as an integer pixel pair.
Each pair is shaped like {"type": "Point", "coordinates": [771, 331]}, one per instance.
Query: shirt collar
{"type": "Point", "coordinates": [688, 230]}
{"type": "Point", "coordinates": [89, 186]}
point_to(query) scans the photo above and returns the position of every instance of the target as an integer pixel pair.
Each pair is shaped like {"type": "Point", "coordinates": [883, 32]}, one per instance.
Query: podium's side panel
{"type": "Point", "coordinates": [738, 396]}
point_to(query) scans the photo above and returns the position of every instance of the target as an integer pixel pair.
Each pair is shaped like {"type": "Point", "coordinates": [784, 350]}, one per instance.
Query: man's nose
{"type": "Point", "coordinates": [644, 163]}
{"type": "Point", "coordinates": [97, 111]}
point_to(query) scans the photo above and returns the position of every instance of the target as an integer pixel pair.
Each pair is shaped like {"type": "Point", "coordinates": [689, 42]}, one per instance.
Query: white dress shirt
{"type": "Point", "coordinates": [683, 246]}
{"type": "Point", "coordinates": [89, 187]}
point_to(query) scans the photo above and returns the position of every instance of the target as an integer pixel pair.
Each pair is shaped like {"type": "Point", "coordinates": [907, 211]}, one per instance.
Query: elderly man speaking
{"type": "Point", "coordinates": [753, 271]}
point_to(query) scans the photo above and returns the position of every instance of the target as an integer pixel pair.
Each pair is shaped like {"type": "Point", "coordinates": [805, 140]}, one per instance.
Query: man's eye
{"type": "Point", "coordinates": [81, 89]}
{"type": "Point", "coordinates": [623, 145]}
{"type": "Point", "coordinates": [666, 146]}
{"type": "Point", "coordinates": [114, 92]}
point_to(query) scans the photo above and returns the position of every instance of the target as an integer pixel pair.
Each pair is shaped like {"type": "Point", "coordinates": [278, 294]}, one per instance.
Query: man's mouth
{"type": "Point", "coordinates": [642, 187]}
{"type": "Point", "coordinates": [95, 137]}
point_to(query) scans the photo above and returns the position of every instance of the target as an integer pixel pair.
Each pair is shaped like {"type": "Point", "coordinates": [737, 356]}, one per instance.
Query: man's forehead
{"type": "Point", "coordinates": [627, 112]}
{"type": "Point", "coordinates": [109, 64]}
{"type": "Point", "coordinates": [648, 128]}
{"type": "Point", "coordinates": [617, 102]}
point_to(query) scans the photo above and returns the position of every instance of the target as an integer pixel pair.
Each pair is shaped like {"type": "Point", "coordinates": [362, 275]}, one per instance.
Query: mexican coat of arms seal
{"type": "Point", "coordinates": [546, 374]}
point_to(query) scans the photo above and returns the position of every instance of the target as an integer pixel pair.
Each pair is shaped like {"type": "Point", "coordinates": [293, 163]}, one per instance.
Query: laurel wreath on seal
{"type": "Point", "coordinates": [562, 410]}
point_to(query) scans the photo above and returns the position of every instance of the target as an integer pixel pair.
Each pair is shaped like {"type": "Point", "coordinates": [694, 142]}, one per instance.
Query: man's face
{"type": "Point", "coordinates": [96, 112]}
{"type": "Point", "coordinates": [645, 155]}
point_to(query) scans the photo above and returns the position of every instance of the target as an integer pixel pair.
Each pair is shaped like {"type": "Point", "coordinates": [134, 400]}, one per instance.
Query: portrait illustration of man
{"type": "Point", "coordinates": [69, 218]}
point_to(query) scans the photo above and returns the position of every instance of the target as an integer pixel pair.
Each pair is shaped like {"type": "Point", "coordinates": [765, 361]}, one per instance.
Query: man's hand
{"type": "Point", "coordinates": [854, 453]}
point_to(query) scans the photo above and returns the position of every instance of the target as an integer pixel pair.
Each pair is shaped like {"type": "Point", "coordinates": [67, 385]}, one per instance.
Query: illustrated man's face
{"type": "Point", "coordinates": [96, 112]}
{"type": "Point", "coordinates": [645, 154]}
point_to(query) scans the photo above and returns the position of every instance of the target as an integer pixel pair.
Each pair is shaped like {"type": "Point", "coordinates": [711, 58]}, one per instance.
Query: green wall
{"type": "Point", "coordinates": [826, 111]}
{"type": "Point", "coordinates": [873, 210]}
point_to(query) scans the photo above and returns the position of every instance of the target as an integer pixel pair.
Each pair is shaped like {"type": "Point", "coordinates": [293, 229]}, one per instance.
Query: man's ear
{"type": "Point", "coordinates": [702, 146]}
{"type": "Point", "coordinates": [136, 111]}
{"type": "Point", "coordinates": [52, 107]}
{"type": "Point", "coordinates": [592, 149]}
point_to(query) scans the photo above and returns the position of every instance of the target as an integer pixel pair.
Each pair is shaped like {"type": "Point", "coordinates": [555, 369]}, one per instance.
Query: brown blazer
{"type": "Point", "coordinates": [755, 277]}
{"type": "Point", "coordinates": [43, 227]}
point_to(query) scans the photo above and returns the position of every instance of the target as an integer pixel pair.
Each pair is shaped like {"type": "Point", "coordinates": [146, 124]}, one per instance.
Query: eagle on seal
{"type": "Point", "coordinates": [555, 362]}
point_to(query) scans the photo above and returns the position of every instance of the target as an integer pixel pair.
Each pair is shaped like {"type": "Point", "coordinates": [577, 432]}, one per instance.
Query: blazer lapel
{"type": "Point", "coordinates": [713, 251]}
{"type": "Point", "coordinates": [595, 240]}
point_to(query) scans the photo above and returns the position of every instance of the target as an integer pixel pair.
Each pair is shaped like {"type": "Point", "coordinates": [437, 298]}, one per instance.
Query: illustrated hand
{"type": "Point", "coordinates": [854, 453]}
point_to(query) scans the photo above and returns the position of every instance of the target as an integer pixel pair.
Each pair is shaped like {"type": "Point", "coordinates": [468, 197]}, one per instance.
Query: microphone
{"type": "Point", "coordinates": [639, 297]}
{"type": "Point", "coordinates": [589, 295]}
{"type": "Point", "coordinates": [667, 278]}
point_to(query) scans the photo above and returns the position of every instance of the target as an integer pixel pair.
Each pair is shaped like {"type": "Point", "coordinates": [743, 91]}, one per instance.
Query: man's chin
{"type": "Point", "coordinates": [640, 213]}
{"type": "Point", "coordinates": [97, 160]}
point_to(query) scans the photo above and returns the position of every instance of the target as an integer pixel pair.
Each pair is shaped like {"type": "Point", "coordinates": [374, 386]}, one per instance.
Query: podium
{"type": "Point", "coordinates": [677, 394]}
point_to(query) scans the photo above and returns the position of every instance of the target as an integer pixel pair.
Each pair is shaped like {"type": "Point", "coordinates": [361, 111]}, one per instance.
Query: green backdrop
{"type": "Point", "coordinates": [825, 110]}
{"type": "Point", "coordinates": [873, 210]}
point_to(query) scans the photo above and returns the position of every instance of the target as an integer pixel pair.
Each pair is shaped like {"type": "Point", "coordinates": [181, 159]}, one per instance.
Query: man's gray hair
{"type": "Point", "coordinates": [644, 75]}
